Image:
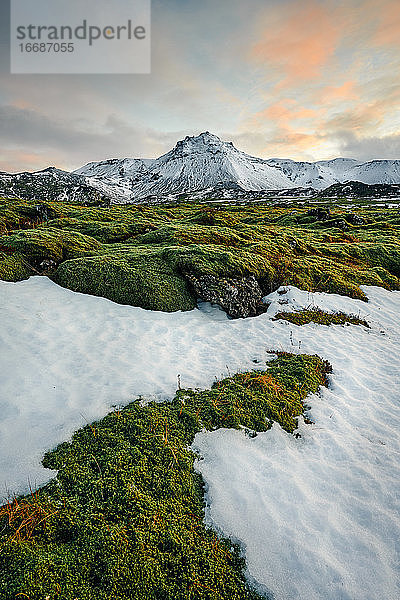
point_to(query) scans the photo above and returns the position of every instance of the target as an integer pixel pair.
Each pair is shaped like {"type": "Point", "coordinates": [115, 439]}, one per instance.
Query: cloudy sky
{"type": "Point", "coordinates": [301, 79]}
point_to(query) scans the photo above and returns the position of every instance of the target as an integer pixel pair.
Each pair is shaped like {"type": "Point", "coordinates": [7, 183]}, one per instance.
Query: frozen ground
{"type": "Point", "coordinates": [318, 516]}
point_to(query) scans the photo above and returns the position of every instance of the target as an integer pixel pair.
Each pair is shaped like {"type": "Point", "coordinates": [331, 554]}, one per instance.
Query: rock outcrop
{"type": "Point", "coordinates": [239, 298]}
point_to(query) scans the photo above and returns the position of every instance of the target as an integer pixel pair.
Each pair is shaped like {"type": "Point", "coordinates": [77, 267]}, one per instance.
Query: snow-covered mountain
{"type": "Point", "coordinates": [55, 184]}
{"type": "Point", "coordinates": [205, 161]}
{"type": "Point", "coordinates": [204, 166]}
{"type": "Point", "coordinates": [317, 175]}
{"type": "Point", "coordinates": [115, 167]}
{"type": "Point", "coordinates": [376, 171]}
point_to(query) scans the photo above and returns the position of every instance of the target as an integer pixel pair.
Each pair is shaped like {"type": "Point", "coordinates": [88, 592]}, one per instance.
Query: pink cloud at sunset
{"type": "Point", "coordinates": [299, 43]}
{"type": "Point", "coordinates": [388, 25]}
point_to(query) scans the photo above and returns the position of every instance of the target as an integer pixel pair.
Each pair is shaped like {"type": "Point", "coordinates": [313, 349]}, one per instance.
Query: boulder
{"type": "Point", "coordinates": [239, 298]}
{"type": "Point", "coordinates": [321, 214]}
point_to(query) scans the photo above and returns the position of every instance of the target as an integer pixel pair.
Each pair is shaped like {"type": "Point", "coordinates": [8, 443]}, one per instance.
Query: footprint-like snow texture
{"type": "Point", "coordinates": [318, 516]}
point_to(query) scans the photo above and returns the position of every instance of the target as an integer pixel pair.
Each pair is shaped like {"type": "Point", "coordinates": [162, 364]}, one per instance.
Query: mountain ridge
{"type": "Point", "coordinates": [204, 161]}
{"type": "Point", "coordinates": [200, 165]}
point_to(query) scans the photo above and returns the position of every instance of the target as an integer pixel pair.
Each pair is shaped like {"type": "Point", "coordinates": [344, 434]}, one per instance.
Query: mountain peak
{"type": "Point", "coordinates": [204, 137]}
{"type": "Point", "coordinates": [202, 141]}
{"type": "Point", "coordinates": [203, 161]}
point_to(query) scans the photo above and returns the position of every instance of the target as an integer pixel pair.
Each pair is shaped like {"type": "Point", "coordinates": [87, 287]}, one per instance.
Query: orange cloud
{"type": "Point", "coordinates": [285, 115]}
{"type": "Point", "coordinates": [368, 116]}
{"type": "Point", "coordinates": [326, 67]}
{"type": "Point", "coordinates": [300, 42]}
{"type": "Point", "coordinates": [13, 160]}
{"type": "Point", "coordinates": [388, 28]}
{"type": "Point", "coordinates": [292, 127]}
{"type": "Point", "coordinates": [285, 111]}
{"type": "Point", "coordinates": [296, 140]}
{"type": "Point", "coordinates": [21, 104]}
{"type": "Point", "coordinates": [346, 91]}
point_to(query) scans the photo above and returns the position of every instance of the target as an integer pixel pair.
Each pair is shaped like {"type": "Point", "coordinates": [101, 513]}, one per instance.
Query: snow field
{"type": "Point", "coordinates": [318, 516]}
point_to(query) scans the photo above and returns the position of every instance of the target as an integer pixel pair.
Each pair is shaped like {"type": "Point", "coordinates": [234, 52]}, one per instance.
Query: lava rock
{"type": "Point", "coordinates": [47, 264]}
{"type": "Point", "coordinates": [321, 214]}
{"type": "Point", "coordinates": [340, 224]}
{"type": "Point", "coordinates": [44, 212]}
{"type": "Point", "coordinates": [239, 298]}
{"type": "Point", "coordinates": [354, 219]}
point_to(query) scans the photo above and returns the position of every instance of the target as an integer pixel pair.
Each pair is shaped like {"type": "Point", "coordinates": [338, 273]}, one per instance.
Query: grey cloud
{"type": "Point", "coordinates": [31, 131]}
{"type": "Point", "coordinates": [369, 148]}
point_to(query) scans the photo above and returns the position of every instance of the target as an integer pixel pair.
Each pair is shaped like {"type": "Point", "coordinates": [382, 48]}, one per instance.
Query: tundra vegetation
{"type": "Point", "coordinates": [149, 255]}
{"type": "Point", "coordinates": [321, 317]}
{"type": "Point", "coordinates": [124, 516]}
{"type": "Point", "coordinates": [123, 519]}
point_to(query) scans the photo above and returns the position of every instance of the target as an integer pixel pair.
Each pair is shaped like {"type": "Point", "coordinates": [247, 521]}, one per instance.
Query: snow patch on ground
{"type": "Point", "coordinates": [66, 358]}
{"type": "Point", "coordinates": [318, 516]}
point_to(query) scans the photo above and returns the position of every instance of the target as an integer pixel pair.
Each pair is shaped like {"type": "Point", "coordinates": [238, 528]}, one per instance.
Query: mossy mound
{"type": "Point", "coordinates": [48, 243]}
{"type": "Point", "coordinates": [107, 232]}
{"type": "Point", "coordinates": [138, 279]}
{"type": "Point", "coordinates": [323, 274]}
{"type": "Point", "coordinates": [124, 517]}
{"type": "Point", "coordinates": [209, 215]}
{"type": "Point", "coordinates": [194, 234]}
{"type": "Point", "coordinates": [275, 244]}
{"type": "Point", "coordinates": [102, 232]}
{"type": "Point", "coordinates": [208, 259]}
{"type": "Point", "coordinates": [16, 213]}
{"type": "Point", "coordinates": [321, 317]}
{"type": "Point", "coordinates": [14, 267]}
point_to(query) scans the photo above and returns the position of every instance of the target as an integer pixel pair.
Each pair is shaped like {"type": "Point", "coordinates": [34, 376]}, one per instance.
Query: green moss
{"type": "Point", "coordinates": [208, 259]}
{"type": "Point", "coordinates": [124, 517]}
{"type": "Point", "coordinates": [103, 232]}
{"type": "Point", "coordinates": [276, 244]}
{"type": "Point", "coordinates": [143, 280]}
{"type": "Point", "coordinates": [106, 232]}
{"type": "Point", "coordinates": [193, 234]}
{"type": "Point", "coordinates": [208, 215]}
{"type": "Point", "coordinates": [323, 274]}
{"type": "Point", "coordinates": [14, 267]}
{"type": "Point", "coordinates": [16, 213]}
{"type": "Point", "coordinates": [253, 400]}
{"type": "Point", "coordinates": [317, 315]}
{"type": "Point", "coordinates": [49, 243]}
